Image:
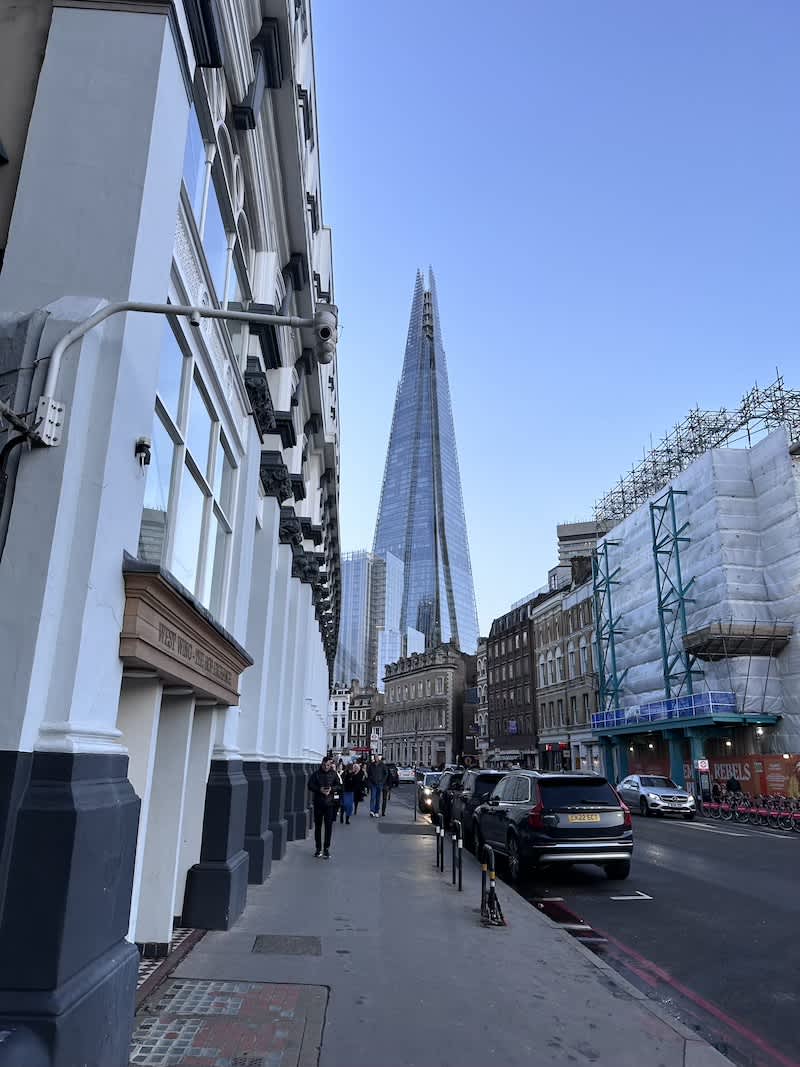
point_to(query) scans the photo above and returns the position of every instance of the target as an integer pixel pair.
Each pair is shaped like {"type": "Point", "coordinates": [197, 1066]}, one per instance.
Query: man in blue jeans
{"type": "Point", "coordinates": [377, 776]}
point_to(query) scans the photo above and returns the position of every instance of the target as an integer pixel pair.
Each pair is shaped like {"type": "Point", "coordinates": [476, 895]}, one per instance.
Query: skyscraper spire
{"type": "Point", "coordinates": [421, 513]}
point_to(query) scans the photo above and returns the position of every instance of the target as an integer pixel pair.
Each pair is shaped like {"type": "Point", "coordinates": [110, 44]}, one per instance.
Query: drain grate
{"type": "Point", "coordinates": [287, 945]}
{"type": "Point", "coordinates": [248, 1061]}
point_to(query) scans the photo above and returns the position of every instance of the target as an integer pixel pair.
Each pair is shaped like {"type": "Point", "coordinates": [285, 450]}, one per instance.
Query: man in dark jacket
{"type": "Point", "coordinates": [325, 786]}
{"type": "Point", "coordinates": [377, 776]}
{"type": "Point", "coordinates": [392, 780]}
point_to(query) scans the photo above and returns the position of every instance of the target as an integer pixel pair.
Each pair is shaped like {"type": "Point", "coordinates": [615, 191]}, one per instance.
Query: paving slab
{"type": "Point", "coordinates": [409, 976]}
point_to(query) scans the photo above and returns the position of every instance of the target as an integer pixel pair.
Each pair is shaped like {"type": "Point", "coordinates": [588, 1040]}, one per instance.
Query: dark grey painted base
{"type": "Point", "coordinates": [257, 835]}
{"type": "Point", "coordinates": [15, 772]}
{"type": "Point", "coordinates": [67, 974]}
{"type": "Point", "coordinates": [216, 887]}
{"type": "Point", "coordinates": [277, 824]}
{"type": "Point", "coordinates": [297, 817]}
{"type": "Point", "coordinates": [290, 770]}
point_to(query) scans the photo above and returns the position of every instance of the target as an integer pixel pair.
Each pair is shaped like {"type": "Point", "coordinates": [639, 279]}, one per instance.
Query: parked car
{"type": "Point", "coordinates": [405, 774]}
{"type": "Point", "coordinates": [426, 781]}
{"type": "Point", "coordinates": [442, 798]}
{"type": "Point", "coordinates": [475, 788]}
{"type": "Point", "coordinates": [534, 819]}
{"type": "Point", "coordinates": [652, 794]}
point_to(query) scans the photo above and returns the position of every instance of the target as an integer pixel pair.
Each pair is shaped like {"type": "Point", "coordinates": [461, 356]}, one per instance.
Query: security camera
{"type": "Point", "coordinates": [326, 321]}
{"type": "Point", "coordinates": [142, 451]}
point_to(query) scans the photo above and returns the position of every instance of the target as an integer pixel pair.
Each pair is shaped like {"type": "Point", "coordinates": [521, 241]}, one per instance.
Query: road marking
{"type": "Point", "coordinates": [575, 926]}
{"type": "Point", "coordinates": [713, 830]}
{"type": "Point", "coordinates": [652, 973]}
{"type": "Point", "coordinates": [537, 900]}
{"type": "Point", "coordinates": [637, 896]}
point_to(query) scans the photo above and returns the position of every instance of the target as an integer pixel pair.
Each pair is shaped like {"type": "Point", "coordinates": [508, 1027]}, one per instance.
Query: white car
{"type": "Point", "coordinates": [405, 774]}
{"type": "Point", "coordinates": [655, 794]}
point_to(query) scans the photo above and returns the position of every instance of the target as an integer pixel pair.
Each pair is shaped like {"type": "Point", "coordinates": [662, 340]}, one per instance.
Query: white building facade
{"type": "Point", "coordinates": [339, 720]}
{"type": "Point", "coordinates": [176, 552]}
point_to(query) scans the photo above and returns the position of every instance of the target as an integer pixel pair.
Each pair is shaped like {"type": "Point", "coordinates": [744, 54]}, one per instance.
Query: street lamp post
{"type": "Point", "coordinates": [416, 735]}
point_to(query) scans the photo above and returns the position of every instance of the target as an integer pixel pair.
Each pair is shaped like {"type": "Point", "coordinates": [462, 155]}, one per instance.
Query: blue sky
{"type": "Point", "coordinates": [608, 192]}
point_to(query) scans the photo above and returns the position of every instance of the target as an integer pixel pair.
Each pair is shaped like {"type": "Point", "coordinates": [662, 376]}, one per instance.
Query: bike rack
{"type": "Point", "coordinates": [458, 847]}
{"type": "Point", "coordinates": [491, 912]}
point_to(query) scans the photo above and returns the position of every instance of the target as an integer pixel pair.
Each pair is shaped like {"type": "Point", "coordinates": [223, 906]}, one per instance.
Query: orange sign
{"type": "Point", "coordinates": [760, 774]}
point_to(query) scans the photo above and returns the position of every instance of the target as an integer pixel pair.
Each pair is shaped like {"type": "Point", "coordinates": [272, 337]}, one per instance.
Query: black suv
{"type": "Point", "coordinates": [475, 788]}
{"type": "Point", "coordinates": [442, 799]}
{"type": "Point", "coordinates": [534, 818]}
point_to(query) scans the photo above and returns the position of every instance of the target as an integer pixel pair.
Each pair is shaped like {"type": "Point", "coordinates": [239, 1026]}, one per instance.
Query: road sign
{"type": "Point", "coordinates": [702, 765]}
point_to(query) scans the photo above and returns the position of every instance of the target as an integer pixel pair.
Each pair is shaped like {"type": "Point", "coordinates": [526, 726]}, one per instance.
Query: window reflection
{"type": "Point", "coordinates": [198, 437]}
{"type": "Point", "coordinates": [215, 243]}
{"type": "Point", "coordinates": [188, 527]}
{"type": "Point", "coordinates": [170, 371]}
{"type": "Point", "coordinates": [194, 162]}
{"type": "Point", "coordinates": [153, 530]}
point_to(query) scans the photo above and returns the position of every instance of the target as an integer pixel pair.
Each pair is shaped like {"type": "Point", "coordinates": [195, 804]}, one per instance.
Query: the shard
{"type": "Point", "coordinates": [421, 514]}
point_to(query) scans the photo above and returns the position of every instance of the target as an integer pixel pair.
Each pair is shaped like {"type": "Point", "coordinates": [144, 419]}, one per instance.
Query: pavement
{"type": "Point", "coordinates": [704, 925]}
{"type": "Point", "coordinates": [374, 956]}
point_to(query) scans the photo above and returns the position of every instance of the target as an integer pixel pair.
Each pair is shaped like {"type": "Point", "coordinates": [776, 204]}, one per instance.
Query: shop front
{"type": "Point", "coordinates": [670, 737]}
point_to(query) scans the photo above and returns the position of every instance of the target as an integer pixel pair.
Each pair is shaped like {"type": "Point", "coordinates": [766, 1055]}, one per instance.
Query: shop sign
{"type": "Point", "coordinates": [761, 774]}
{"type": "Point", "coordinates": [164, 632]}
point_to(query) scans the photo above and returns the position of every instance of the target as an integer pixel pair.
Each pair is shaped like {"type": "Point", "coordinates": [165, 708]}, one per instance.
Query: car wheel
{"type": "Point", "coordinates": [619, 870]}
{"type": "Point", "coordinates": [688, 816]}
{"type": "Point", "coordinates": [514, 859]}
{"type": "Point", "coordinates": [644, 808]}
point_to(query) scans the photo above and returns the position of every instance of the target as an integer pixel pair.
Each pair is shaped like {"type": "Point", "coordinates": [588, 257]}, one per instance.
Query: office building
{"type": "Point", "coordinates": [421, 514]}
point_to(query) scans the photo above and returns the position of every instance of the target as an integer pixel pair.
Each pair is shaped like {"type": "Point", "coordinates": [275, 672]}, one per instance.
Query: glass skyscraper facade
{"type": "Point", "coordinates": [421, 514]}
{"type": "Point", "coordinates": [369, 632]}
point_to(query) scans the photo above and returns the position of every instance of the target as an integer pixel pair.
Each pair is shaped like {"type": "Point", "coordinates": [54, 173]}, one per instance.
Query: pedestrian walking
{"type": "Point", "coordinates": [325, 788]}
{"type": "Point", "coordinates": [377, 775]}
{"type": "Point", "coordinates": [392, 781]}
{"type": "Point", "coordinates": [352, 784]}
{"type": "Point", "coordinates": [359, 785]}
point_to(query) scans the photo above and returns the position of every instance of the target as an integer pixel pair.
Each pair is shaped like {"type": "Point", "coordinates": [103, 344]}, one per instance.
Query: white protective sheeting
{"type": "Point", "coordinates": [743, 509]}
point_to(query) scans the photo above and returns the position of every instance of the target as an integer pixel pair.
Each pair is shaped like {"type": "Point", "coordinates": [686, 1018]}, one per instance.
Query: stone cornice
{"type": "Point", "coordinates": [275, 476]}
{"type": "Point", "coordinates": [290, 531]}
{"type": "Point", "coordinates": [255, 382]}
{"type": "Point", "coordinates": [284, 423]}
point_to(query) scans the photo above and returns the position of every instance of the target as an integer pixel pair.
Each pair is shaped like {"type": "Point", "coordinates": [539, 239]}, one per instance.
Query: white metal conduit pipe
{"type": "Point", "coordinates": [49, 412]}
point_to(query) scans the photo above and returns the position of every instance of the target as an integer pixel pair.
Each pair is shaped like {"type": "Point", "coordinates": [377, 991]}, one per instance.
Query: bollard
{"type": "Point", "coordinates": [440, 843]}
{"type": "Point", "coordinates": [453, 839]}
{"type": "Point", "coordinates": [460, 845]}
{"type": "Point", "coordinates": [491, 912]}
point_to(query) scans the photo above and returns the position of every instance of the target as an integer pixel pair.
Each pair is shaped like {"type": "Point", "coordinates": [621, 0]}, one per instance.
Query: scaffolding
{"type": "Point", "coordinates": [761, 411]}
{"type": "Point", "coordinates": [672, 592]}
{"type": "Point", "coordinates": [607, 629]}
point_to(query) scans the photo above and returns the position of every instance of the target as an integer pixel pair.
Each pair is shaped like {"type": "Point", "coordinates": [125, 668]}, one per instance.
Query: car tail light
{"type": "Point", "coordinates": [627, 821]}
{"type": "Point", "coordinates": [535, 817]}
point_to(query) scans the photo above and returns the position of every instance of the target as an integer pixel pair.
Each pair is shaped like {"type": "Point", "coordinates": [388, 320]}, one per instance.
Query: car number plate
{"type": "Point", "coordinates": [583, 818]}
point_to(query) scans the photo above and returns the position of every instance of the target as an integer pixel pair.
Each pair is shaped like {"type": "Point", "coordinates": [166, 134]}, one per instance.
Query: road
{"type": "Point", "coordinates": [712, 930]}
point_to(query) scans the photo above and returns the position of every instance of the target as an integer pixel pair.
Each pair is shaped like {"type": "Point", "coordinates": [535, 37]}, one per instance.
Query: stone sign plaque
{"type": "Point", "coordinates": [164, 631]}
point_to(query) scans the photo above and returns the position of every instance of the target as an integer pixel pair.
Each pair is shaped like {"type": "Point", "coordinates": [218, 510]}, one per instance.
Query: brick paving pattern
{"type": "Point", "coordinates": [230, 1024]}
